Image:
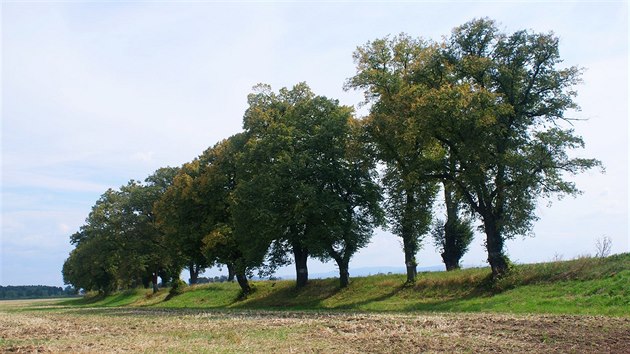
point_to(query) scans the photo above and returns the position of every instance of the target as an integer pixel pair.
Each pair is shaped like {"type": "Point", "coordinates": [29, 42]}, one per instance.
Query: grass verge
{"type": "Point", "coordinates": [595, 286]}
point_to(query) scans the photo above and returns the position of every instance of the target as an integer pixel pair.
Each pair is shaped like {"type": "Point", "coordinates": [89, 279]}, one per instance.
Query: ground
{"type": "Point", "coordinates": [48, 327]}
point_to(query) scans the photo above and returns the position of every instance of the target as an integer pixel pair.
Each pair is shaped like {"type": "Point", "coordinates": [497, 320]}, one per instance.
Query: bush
{"type": "Point", "coordinates": [177, 288]}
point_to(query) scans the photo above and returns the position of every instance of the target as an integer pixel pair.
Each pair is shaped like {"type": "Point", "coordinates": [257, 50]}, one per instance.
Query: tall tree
{"type": "Point", "coordinates": [311, 191]}
{"type": "Point", "coordinates": [347, 194]}
{"type": "Point", "coordinates": [505, 127]}
{"type": "Point", "coordinates": [493, 106]}
{"type": "Point", "coordinates": [272, 199]}
{"type": "Point", "coordinates": [216, 185]}
{"type": "Point", "coordinates": [385, 71]}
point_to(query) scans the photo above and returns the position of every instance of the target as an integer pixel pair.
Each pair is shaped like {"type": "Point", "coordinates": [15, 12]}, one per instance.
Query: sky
{"type": "Point", "coordinates": [95, 93]}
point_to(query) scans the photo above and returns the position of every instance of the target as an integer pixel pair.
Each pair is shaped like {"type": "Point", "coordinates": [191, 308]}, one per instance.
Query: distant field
{"type": "Point", "coordinates": [45, 327]}
{"type": "Point", "coordinates": [578, 306]}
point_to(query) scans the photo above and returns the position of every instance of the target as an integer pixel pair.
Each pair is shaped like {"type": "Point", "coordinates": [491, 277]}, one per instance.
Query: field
{"type": "Point", "coordinates": [580, 306]}
{"type": "Point", "coordinates": [48, 327]}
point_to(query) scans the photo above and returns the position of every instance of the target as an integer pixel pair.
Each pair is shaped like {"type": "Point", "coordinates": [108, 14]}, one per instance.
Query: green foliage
{"type": "Point", "coordinates": [452, 240]}
{"type": "Point", "coordinates": [519, 152]}
{"type": "Point", "coordinates": [216, 186]}
{"type": "Point", "coordinates": [180, 216]}
{"type": "Point", "coordinates": [11, 292]}
{"type": "Point", "coordinates": [307, 186]}
{"type": "Point", "coordinates": [385, 73]}
{"type": "Point", "coordinates": [92, 264]}
{"type": "Point", "coordinates": [120, 245]}
{"type": "Point", "coordinates": [177, 288]}
{"type": "Point", "coordinates": [485, 111]}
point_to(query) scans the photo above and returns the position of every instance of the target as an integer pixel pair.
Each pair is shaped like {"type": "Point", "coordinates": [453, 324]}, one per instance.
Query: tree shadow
{"type": "Point", "coordinates": [319, 294]}
{"type": "Point", "coordinates": [288, 296]}
{"type": "Point", "coordinates": [380, 297]}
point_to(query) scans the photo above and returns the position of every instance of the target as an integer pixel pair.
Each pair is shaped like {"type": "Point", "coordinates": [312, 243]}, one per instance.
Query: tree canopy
{"type": "Point", "coordinates": [120, 244]}
{"type": "Point", "coordinates": [494, 105]}
{"type": "Point", "coordinates": [308, 184]}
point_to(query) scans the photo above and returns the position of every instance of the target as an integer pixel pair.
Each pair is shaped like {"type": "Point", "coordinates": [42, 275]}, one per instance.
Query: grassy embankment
{"type": "Point", "coordinates": [582, 286]}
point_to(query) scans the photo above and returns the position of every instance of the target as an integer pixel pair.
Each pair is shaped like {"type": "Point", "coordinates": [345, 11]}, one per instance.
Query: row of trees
{"type": "Point", "coordinates": [34, 292]}
{"type": "Point", "coordinates": [478, 116]}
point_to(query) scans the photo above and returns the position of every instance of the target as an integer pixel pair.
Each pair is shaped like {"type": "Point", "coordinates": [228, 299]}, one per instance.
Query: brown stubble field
{"type": "Point", "coordinates": [60, 329]}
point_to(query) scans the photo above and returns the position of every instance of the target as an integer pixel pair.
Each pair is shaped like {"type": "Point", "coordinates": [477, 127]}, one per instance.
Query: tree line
{"type": "Point", "coordinates": [12, 292]}
{"type": "Point", "coordinates": [476, 121]}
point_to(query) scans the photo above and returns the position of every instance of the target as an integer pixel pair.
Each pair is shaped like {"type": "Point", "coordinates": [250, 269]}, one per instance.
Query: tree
{"type": "Point", "coordinates": [196, 214]}
{"type": "Point", "coordinates": [504, 127]}
{"type": "Point", "coordinates": [216, 185]}
{"type": "Point", "coordinates": [120, 245]}
{"type": "Point", "coordinates": [452, 240]}
{"type": "Point", "coordinates": [220, 245]}
{"type": "Point", "coordinates": [491, 106]}
{"type": "Point", "coordinates": [180, 214]}
{"type": "Point", "coordinates": [91, 266]}
{"type": "Point", "coordinates": [347, 204]}
{"type": "Point", "coordinates": [271, 199]}
{"type": "Point", "coordinates": [94, 263]}
{"type": "Point", "coordinates": [453, 236]}
{"type": "Point", "coordinates": [153, 189]}
{"type": "Point", "coordinates": [308, 189]}
{"type": "Point", "coordinates": [144, 244]}
{"type": "Point", "coordinates": [385, 70]}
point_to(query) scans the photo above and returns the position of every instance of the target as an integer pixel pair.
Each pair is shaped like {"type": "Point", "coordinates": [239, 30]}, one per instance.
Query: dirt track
{"type": "Point", "coordinates": [124, 330]}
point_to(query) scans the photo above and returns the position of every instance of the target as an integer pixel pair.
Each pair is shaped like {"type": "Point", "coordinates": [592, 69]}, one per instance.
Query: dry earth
{"type": "Point", "coordinates": [149, 330]}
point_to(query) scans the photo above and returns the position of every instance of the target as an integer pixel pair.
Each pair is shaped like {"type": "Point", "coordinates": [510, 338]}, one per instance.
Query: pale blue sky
{"type": "Point", "coordinates": [97, 93]}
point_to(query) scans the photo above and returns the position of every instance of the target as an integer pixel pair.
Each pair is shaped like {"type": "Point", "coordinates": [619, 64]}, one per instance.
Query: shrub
{"type": "Point", "coordinates": [177, 288]}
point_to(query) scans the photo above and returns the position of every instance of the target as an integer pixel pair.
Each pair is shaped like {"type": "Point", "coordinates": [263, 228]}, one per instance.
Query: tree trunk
{"type": "Point", "coordinates": [410, 243]}
{"type": "Point", "coordinates": [146, 281]}
{"type": "Point", "coordinates": [241, 278]}
{"type": "Point", "coordinates": [494, 244]}
{"type": "Point", "coordinates": [450, 255]}
{"type": "Point", "coordinates": [230, 268]}
{"type": "Point", "coordinates": [194, 273]}
{"type": "Point", "coordinates": [450, 262]}
{"type": "Point", "coordinates": [166, 278]}
{"type": "Point", "coordinates": [412, 272]}
{"type": "Point", "coordinates": [409, 247]}
{"type": "Point", "coordinates": [155, 282]}
{"type": "Point", "coordinates": [344, 274]}
{"type": "Point", "coordinates": [301, 270]}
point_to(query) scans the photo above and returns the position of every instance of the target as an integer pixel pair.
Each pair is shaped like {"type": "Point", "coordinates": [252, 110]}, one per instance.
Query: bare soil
{"type": "Point", "coordinates": [50, 329]}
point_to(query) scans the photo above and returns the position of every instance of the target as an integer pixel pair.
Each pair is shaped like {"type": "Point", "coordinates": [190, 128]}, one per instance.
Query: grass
{"type": "Point", "coordinates": [596, 286]}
